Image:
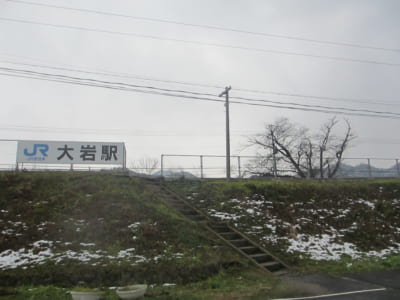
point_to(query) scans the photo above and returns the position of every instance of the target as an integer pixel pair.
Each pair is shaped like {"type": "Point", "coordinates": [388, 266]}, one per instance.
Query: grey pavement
{"type": "Point", "coordinates": [377, 285]}
{"type": "Point", "coordinates": [390, 278]}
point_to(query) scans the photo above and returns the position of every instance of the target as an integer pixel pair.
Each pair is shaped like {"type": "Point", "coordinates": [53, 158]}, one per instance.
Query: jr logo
{"type": "Point", "coordinates": [42, 148]}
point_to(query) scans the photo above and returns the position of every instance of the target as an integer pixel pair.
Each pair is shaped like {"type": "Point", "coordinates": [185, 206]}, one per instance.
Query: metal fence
{"type": "Point", "coordinates": [46, 167]}
{"type": "Point", "coordinates": [213, 166]}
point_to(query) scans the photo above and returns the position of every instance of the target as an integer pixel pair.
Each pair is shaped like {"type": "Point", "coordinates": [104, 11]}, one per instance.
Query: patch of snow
{"type": "Point", "coordinates": [42, 243]}
{"type": "Point", "coordinates": [7, 232]}
{"type": "Point", "coordinates": [324, 247]}
{"type": "Point", "coordinates": [366, 202]}
{"type": "Point", "coordinates": [134, 226]}
{"type": "Point", "coordinates": [168, 284]}
{"type": "Point", "coordinates": [321, 247]}
{"type": "Point", "coordinates": [223, 215]}
{"type": "Point", "coordinates": [255, 202]}
{"type": "Point", "coordinates": [250, 211]}
{"type": "Point", "coordinates": [87, 244]}
{"type": "Point", "coordinates": [42, 251]}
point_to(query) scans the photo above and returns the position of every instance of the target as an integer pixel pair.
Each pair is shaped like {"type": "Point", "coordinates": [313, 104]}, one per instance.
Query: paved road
{"type": "Point", "coordinates": [377, 285]}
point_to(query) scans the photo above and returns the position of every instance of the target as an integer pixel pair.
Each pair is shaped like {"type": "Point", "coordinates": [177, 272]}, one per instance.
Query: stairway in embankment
{"type": "Point", "coordinates": [225, 232]}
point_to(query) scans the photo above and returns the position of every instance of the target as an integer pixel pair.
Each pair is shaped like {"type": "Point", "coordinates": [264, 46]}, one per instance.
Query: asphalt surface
{"type": "Point", "coordinates": [377, 285]}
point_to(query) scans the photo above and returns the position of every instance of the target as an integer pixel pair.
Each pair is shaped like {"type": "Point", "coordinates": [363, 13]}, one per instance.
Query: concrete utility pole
{"type": "Point", "coordinates": [228, 145]}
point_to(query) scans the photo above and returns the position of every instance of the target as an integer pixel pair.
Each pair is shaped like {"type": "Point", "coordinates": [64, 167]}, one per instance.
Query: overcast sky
{"type": "Point", "coordinates": [152, 125]}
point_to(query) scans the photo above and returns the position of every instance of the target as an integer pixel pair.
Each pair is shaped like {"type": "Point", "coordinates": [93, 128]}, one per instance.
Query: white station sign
{"type": "Point", "coordinates": [52, 152]}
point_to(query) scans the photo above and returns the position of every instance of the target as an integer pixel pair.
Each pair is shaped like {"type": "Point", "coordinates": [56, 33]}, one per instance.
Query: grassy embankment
{"type": "Point", "coordinates": [60, 230]}
{"type": "Point", "coordinates": [329, 226]}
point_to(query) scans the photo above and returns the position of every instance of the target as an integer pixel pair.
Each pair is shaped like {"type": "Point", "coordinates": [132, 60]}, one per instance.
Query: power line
{"type": "Point", "coordinates": [154, 37]}
{"type": "Point", "coordinates": [130, 76]}
{"type": "Point", "coordinates": [112, 74]}
{"type": "Point", "coordinates": [340, 99]}
{"type": "Point", "coordinates": [65, 77]}
{"type": "Point", "coordinates": [162, 92]}
{"type": "Point", "coordinates": [92, 83]}
{"type": "Point", "coordinates": [107, 131]}
{"type": "Point", "coordinates": [136, 133]}
{"type": "Point", "coordinates": [211, 27]}
{"type": "Point", "coordinates": [317, 106]}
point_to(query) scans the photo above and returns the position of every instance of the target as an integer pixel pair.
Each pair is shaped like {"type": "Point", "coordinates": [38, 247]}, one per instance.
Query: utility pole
{"type": "Point", "coordinates": [228, 145]}
{"type": "Point", "coordinates": [274, 156]}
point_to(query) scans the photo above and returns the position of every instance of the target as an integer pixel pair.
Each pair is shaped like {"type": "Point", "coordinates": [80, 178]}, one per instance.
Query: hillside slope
{"type": "Point", "coordinates": [69, 228]}
{"type": "Point", "coordinates": [309, 223]}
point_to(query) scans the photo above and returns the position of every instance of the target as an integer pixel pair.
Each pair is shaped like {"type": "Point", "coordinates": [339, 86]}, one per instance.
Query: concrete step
{"type": "Point", "coordinates": [230, 235]}
{"type": "Point", "coordinates": [220, 228]}
{"type": "Point", "coordinates": [272, 266]}
{"type": "Point", "coordinates": [250, 249]}
{"type": "Point", "coordinates": [240, 243]}
{"type": "Point", "coordinates": [262, 257]}
{"type": "Point", "coordinates": [237, 240]}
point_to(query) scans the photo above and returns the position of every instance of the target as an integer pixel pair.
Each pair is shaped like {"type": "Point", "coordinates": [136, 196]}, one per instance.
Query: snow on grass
{"type": "Point", "coordinates": [87, 244]}
{"type": "Point", "coordinates": [134, 226]}
{"type": "Point", "coordinates": [310, 230]}
{"type": "Point", "coordinates": [366, 203]}
{"type": "Point", "coordinates": [324, 247]}
{"type": "Point", "coordinates": [223, 215]}
{"type": "Point", "coordinates": [42, 251]}
{"type": "Point", "coordinates": [321, 247]}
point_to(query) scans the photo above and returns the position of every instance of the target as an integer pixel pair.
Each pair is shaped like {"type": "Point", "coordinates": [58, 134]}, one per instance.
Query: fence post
{"type": "Point", "coordinates": [124, 159]}
{"type": "Point", "coordinates": [201, 167]}
{"type": "Point", "coordinates": [162, 165]}
{"type": "Point", "coordinates": [240, 173]}
{"type": "Point", "coordinates": [397, 166]}
{"type": "Point", "coordinates": [369, 168]}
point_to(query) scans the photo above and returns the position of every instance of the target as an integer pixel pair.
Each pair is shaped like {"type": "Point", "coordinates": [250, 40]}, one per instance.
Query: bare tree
{"type": "Point", "coordinates": [310, 156]}
{"type": "Point", "coordinates": [146, 165]}
{"type": "Point", "coordinates": [339, 145]}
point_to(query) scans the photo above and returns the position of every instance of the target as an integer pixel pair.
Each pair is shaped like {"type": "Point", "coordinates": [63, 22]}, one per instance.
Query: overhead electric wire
{"type": "Point", "coordinates": [154, 37]}
{"type": "Point", "coordinates": [135, 88]}
{"type": "Point", "coordinates": [315, 106]}
{"type": "Point", "coordinates": [341, 99]}
{"type": "Point", "coordinates": [65, 77]}
{"type": "Point", "coordinates": [211, 27]}
{"type": "Point", "coordinates": [71, 80]}
{"type": "Point", "coordinates": [108, 131]}
{"type": "Point", "coordinates": [113, 74]}
{"type": "Point", "coordinates": [146, 78]}
{"type": "Point", "coordinates": [141, 133]}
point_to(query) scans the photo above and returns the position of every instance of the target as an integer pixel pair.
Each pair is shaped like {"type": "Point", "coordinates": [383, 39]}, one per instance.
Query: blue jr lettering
{"type": "Point", "coordinates": [42, 148]}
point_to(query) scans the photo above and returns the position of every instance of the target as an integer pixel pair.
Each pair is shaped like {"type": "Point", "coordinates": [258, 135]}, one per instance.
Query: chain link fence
{"type": "Point", "coordinates": [214, 166]}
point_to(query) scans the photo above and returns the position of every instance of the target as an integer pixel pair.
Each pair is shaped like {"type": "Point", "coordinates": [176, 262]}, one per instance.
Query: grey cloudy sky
{"type": "Point", "coordinates": [155, 124]}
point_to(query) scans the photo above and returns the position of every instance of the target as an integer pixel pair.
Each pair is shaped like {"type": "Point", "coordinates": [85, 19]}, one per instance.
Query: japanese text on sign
{"type": "Point", "coordinates": [70, 152]}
